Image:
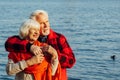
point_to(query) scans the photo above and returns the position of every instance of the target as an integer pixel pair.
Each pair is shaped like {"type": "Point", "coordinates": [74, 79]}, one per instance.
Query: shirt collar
{"type": "Point", "coordinates": [42, 39]}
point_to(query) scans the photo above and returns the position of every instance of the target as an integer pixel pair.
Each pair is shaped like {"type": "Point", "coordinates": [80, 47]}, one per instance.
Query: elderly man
{"type": "Point", "coordinates": [47, 35]}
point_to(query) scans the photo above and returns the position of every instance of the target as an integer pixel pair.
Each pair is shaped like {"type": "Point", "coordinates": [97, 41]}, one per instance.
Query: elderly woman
{"type": "Point", "coordinates": [28, 66]}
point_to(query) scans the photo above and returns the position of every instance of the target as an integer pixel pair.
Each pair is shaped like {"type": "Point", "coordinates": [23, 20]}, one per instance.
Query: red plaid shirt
{"type": "Point", "coordinates": [58, 41]}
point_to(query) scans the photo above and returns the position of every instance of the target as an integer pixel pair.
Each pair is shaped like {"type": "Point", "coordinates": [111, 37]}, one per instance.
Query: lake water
{"type": "Point", "coordinates": [92, 28]}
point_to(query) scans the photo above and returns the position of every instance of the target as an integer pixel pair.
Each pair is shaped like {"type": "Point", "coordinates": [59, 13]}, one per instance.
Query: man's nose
{"type": "Point", "coordinates": [45, 25]}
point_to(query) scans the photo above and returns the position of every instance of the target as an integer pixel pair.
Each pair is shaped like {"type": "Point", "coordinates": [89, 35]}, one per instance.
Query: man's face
{"type": "Point", "coordinates": [44, 24]}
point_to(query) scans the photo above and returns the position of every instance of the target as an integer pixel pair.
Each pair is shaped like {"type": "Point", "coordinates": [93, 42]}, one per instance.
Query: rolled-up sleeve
{"type": "Point", "coordinates": [54, 65]}
{"type": "Point", "coordinates": [13, 68]}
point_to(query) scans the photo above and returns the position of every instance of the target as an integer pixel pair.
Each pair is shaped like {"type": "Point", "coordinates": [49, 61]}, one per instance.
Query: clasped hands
{"type": "Point", "coordinates": [38, 54]}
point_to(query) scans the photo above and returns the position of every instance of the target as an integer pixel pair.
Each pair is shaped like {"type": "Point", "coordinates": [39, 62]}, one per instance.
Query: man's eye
{"type": "Point", "coordinates": [41, 23]}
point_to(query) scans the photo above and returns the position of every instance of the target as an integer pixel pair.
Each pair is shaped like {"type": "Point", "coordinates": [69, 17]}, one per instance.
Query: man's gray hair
{"type": "Point", "coordinates": [36, 12]}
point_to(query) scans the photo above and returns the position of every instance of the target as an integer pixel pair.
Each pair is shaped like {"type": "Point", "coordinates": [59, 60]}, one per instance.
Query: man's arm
{"type": "Point", "coordinates": [15, 44]}
{"type": "Point", "coordinates": [65, 53]}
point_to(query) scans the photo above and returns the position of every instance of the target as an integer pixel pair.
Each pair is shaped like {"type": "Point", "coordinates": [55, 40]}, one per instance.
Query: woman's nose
{"type": "Point", "coordinates": [36, 32]}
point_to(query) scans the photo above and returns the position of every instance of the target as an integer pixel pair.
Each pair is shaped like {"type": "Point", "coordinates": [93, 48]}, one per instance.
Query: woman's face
{"type": "Point", "coordinates": [33, 34]}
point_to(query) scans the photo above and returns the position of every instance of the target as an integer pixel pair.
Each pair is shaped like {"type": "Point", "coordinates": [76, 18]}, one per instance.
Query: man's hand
{"type": "Point", "coordinates": [35, 59]}
{"type": "Point", "coordinates": [35, 50]}
{"type": "Point", "coordinates": [51, 51]}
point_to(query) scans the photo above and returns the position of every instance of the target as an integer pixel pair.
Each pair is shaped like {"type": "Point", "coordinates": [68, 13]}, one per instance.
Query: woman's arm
{"type": "Point", "coordinates": [13, 68]}
{"type": "Point", "coordinates": [54, 65]}
{"type": "Point", "coordinates": [54, 57]}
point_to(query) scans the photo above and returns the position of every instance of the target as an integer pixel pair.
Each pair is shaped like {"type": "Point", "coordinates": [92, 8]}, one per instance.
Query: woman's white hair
{"type": "Point", "coordinates": [36, 12]}
{"type": "Point", "coordinates": [25, 27]}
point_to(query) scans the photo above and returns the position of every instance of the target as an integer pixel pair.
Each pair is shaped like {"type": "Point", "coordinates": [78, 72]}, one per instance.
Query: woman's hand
{"type": "Point", "coordinates": [49, 49]}
{"type": "Point", "coordinates": [35, 59]}
{"type": "Point", "coordinates": [35, 50]}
